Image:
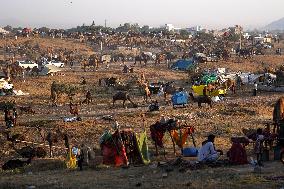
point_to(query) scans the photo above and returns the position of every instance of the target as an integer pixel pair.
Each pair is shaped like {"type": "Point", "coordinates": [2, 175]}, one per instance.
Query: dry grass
{"type": "Point", "coordinates": [225, 119]}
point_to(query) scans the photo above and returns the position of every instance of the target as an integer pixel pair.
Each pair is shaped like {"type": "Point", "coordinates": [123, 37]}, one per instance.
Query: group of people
{"type": "Point", "coordinates": [207, 153]}
{"type": "Point", "coordinates": [10, 117]}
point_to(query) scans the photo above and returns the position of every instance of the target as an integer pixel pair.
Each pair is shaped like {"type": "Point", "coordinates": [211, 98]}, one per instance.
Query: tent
{"type": "Point", "coordinates": [182, 65]}
{"type": "Point", "coordinates": [124, 147]}
{"type": "Point", "coordinates": [49, 69]}
{"type": "Point", "coordinates": [208, 78]}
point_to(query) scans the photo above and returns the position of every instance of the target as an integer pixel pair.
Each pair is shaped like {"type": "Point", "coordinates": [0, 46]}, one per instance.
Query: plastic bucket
{"type": "Point", "coordinates": [189, 152]}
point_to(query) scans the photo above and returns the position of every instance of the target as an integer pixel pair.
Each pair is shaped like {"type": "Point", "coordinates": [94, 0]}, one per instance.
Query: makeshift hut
{"type": "Point", "coordinates": [183, 65]}
{"type": "Point", "coordinates": [124, 147]}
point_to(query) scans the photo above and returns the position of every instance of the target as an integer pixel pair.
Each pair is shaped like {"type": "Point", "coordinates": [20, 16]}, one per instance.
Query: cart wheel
{"type": "Point", "coordinates": [282, 157]}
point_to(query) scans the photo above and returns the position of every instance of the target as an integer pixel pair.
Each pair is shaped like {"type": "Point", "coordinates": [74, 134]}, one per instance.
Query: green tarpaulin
{"type": "Point", "coordinates": [209, 78]}
{"type": "Point", "coordinates": [141, 140]}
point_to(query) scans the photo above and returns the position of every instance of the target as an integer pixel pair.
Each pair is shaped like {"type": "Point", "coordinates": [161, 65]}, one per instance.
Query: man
{"type": "Point", "coordinates": [207, 152]}
{"type": "Point", "coordinates": [15, 116]}
{"type": "Point", "coordinates": [255, 89]}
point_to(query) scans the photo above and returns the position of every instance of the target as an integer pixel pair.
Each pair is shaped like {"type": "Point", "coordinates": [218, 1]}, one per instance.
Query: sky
{"type": "Point", "coordinates": [213, 14]}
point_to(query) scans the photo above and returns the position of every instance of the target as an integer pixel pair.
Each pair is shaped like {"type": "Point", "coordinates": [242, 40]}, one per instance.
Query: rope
{"type": "Point", "coordinates": [40, 144]}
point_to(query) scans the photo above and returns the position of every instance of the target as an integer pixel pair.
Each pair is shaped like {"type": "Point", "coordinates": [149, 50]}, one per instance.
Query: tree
{"type": "Point", "coordinates": [184, 34]}
{"type": "Point", "coordinates": [145, 29]}
{"type": "Point", "coordinates": [8, 28]}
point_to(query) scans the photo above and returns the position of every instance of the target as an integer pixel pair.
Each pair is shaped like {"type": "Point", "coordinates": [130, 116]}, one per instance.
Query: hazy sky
{"type": "Point", "coordinates": [181, 13]}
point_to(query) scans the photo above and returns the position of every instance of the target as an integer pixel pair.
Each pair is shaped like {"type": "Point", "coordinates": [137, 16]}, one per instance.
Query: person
{"type": "Point", "coordinates": [207, 152]}
{"type": "Point", "coordinates": [239, 81]}
{"type": "Point", "coordinates": [125, 69]}
{"type": "Point", "coordinates": [258, 146]}
{"type": "Point", "coordinates": [154, 106]}
{"type": "Point", "coordinates": [80, 158]}
{"type": "Point", "coordinates": [15, 116]}
{"type": "Point", "coordinates": [249, 78]}
{"type": "Point", "coordinates": [84, 82]}
{"type": "Point", "coordinates": [163, 119]}
{"type": "Point", "coordinates": [88, 97]}
{"type": "Point", "coordinates": [255, 89]}
{"type": "Point", "coordinates": [6, 116]}
{"type": "Point", "coordinates": [10, 122]}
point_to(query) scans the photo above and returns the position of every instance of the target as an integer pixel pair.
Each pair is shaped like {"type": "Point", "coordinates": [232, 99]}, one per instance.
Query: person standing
{"type": "Point", "coordinates": [6, 116]}
{"type": "Point", "coordinates": [14, 116]}
{"type": "Point", "coordinates": [258, 147]}
{"type": "Point", "coordinates": [255, 89]}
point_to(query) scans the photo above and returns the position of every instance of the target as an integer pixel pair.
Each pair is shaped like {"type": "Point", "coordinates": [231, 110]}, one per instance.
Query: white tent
{"type": "Point", "coordinates": [49, 69]}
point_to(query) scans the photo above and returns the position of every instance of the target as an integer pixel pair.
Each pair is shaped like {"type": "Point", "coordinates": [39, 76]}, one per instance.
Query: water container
{"type": "Point", "coordinates": [190, 152]}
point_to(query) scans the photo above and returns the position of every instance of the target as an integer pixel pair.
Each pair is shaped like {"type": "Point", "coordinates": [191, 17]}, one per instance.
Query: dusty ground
{"type": "Point", "coordinates": [225, 119]}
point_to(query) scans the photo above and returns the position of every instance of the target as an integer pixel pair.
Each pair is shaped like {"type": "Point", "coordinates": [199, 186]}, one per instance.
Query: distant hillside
{"type": "Point", "coordinates": [276, 25]}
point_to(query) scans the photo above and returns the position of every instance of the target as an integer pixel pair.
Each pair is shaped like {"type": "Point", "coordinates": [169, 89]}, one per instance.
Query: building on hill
{"type": "Point", "coordinates": [3, 32]}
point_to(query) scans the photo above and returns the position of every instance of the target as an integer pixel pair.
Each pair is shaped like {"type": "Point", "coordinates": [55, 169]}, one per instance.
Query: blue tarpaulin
{"type": "Point", "coordinates": [182, 65]}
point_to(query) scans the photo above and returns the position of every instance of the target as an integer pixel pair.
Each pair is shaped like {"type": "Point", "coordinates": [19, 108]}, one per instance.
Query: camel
{"type": "Point", "coordinates": [57, 89]}
{"type": "Point", "coordinates": [168, 88]}
{"type": "Point", "coordinates": [14, 137]}
{"type": "Point", "coordinates": [229, 84]}
{"type": "Point", "coordinates": [31, 152]}
{"type": "Point", "coordinates": [15, 163]}
{"type": "Point", "coordinates": [74, 109]}
{"type": "Point", "coordinates": [201, 99]}
{"type": "Point", "coordinates": [160, 58]}
{"type": "Point", "coordinates": [278, 113]}
{"type": "Point", "coordinates": [88, 99]}
{"type": "Point", "coordinates": [145, 91]}
{"type": "Point", "coordinates": [121, 95]}
{"type": "Point", "coordinates": [26, 109]}
{"type": "Point", "coordinates": [54, 137]}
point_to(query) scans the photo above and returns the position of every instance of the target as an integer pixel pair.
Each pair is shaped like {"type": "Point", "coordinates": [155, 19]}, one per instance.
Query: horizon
{"type": "Point", "coordinates": [216, 14]}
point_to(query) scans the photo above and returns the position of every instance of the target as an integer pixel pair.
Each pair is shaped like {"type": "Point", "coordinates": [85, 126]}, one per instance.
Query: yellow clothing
{"type": "Point", "coordinates": [71, 161]}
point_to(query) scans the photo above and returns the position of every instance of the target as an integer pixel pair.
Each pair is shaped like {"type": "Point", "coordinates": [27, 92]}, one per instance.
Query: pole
{"type": "Point", "coordinates": [240, 40]}
{"type": "Point", "coordinates": [105, 23]}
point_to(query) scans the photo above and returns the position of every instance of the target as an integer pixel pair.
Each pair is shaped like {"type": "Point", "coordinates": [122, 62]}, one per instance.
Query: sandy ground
{"type": "Point", "coordinates": [225, 119]}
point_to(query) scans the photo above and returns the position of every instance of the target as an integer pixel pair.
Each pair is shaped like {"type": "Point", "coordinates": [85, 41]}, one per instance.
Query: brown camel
{"type": "Point", "coordinates": [122, 95]}
{"type": "Point", "coordinates": [201, 99]}
{"type": "Point", "coordinates": [229, 84]}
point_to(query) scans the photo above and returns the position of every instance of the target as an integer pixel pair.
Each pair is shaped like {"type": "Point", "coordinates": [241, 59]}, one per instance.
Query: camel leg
{"type": "Point", "coordinates": [156, 147]}
{"type": "Point", "coordinates": [123, 103]}
{"type": "Point", "coordinates": [174, 146]}
{"type": "Point", "coordinates": [113, 101]}
{"type": "Point", "coordinates": [50, 150]}
{"type": "Point", "coordinates": [199, 104]}
{"type": "Point", "coordinates": [133, 104]}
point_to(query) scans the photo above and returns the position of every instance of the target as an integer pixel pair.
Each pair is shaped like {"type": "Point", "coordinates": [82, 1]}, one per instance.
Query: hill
{"type": "Point", "coordinates": [276, 25]}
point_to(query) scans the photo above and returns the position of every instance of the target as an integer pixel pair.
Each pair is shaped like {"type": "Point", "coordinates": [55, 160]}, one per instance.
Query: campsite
{"type": "Point", "coordinates": [97, 111]}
